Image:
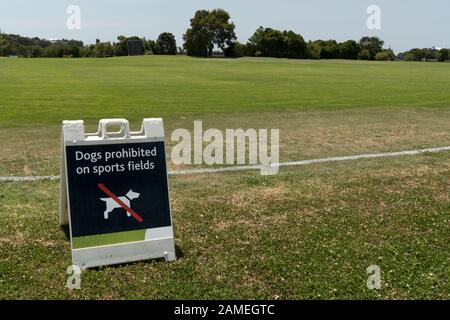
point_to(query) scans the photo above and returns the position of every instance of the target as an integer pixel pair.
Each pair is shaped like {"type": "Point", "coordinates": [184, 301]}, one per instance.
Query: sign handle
{"type": "Point", "coordinates": [122, 123]}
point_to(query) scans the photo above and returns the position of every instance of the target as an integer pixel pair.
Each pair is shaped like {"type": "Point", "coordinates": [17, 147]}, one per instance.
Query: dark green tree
{"type": "Point", "coordinates": [444, 55]}
{"type": "Point", "coordinates": [349, 50]}
{"type": "Point", "coordinates": [88, 51]}
{"type": "Point", "coordinates": [330, 50]}
{"type": "Point", "coordinates": [417, 54]}
{"type": "Point", "coordinates": [314, 50]}
{"type": "Point", "coordinates": [165, 44]}
{"type": "Point", "coordinates": [364, 55]}
{"type": "Point", "coordinates": [55, 50]}
{"type": "Point", "coordinates": [294, 45]}
{"type": "Point", "coordinates": [209, 29]}
{"type": "Point", "coordinates": [372, 44]}
{"type": "Point", "coordinates": [268, 42]}
{"type": "Point", "coordinates": [120, 47]}
{"type": "Point", "coordinates": [103, 50]}
{"type": "Point", "coordinates": [235, 50]}
{"type": "Point", "coordinates": [36, 52]}
{"type": "Point", "coordinates": [150, 46]}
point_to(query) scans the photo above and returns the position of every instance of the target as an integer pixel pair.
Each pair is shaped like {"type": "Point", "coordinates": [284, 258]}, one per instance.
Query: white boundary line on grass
{"type": "Point", "coordinates": [258, 167]}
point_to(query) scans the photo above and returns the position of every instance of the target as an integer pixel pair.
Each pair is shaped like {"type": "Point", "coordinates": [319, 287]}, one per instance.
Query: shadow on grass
{"type": "Point", "coordinates": [66, 231]}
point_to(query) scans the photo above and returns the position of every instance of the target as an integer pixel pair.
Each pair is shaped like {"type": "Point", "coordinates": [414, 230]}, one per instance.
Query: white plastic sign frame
{"type": "Point", "coordinates": [158, 242]}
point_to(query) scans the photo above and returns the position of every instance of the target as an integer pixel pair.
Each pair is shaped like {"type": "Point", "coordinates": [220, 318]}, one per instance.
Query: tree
{"type": "Point", "coordinates": [444, 55]}
{"type": "Point", "coordinates": [235, 50]}
{"type": "Point", "coordinates": [294, 45]}
{"type": "Point", "coordinates": [165, 44]}
{"type": "Point", "coordinates": [373, 45]}
{"type": "Point", "coordinates": [409, 57]}
{"type": "Point", "coordinates": [36, 52]}
{"type": "Point", "coordinates": [385, 55]}
{"type": "Point", "coordinates": [431, 54]}
{"type": "Point", "coordinates": [417, 54]}
{"type": "Point", "coordinates": [321, 49]}
{"type": "Point", "coordinates": [268, 42]}
{"type": "Point", "coordinates": [103, 50]}
{"type": "Point", "coordinates": [88, 51]}
{"type": "Point", "coordinates": [349, 50]}
{"type": "Point", "coordinates": [364, 55]}
{"type": "Point", "coordinates": [209, 29]}
{"type": "Point", "coordinates": [150, 46]}
{"type": "Point", "coordinates": [13, 44]}
{"type": "Point", "coordinates": [314, 50]}
{"type": "Point", "coordinates": [54, 51]}
{"type": "Point", "coordinates": [330, 50]}
{"type": "Point", "coordinates": [73, 51]}
{"type": "Point", "coordinates": [121, 48]}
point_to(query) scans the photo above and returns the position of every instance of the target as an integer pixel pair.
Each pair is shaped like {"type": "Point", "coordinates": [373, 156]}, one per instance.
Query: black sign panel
{"type": "Point", "coordinates": [117, 187]}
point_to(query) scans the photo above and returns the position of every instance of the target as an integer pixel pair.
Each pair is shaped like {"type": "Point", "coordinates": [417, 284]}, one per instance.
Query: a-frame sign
{"type": "Point", "coordinates": [114, 193]}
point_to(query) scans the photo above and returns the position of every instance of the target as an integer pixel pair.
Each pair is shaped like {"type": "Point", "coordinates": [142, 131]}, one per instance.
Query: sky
{"type": "Point", "coordinates": [405, 24]}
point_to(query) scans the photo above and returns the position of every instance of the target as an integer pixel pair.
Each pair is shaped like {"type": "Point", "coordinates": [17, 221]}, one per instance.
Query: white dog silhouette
{"type": "Point", "coordinates": [111, 204]}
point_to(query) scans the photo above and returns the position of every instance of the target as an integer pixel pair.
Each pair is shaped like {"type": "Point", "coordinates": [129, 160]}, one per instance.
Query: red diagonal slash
{"type": "Point", "coordinates": [119, 202]}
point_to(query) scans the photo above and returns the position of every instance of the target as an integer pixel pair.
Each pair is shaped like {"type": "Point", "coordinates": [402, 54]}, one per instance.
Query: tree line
{"type": "Point", "coordinates": [16, 45]}
{"type": "Point", "coordinates": [212, 33]}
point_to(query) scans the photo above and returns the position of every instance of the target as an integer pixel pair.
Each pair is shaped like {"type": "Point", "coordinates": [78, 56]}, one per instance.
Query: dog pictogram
{"type": "Point", "coordinates": [114, 202]}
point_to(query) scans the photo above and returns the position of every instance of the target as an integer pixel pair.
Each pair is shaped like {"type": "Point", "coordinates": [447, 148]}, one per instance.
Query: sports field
{"type": "Point", "coordinates": [308, 232]}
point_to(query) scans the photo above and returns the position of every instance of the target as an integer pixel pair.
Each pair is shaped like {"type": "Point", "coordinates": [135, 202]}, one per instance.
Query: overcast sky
{"type": "Point", "coordinates": [405, 23]}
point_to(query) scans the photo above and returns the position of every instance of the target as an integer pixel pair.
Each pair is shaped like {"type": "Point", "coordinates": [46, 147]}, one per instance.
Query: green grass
{"type": "Point", "coordinates": [46, 91]}
{"type": "Point", "coordinates": [308, 232]}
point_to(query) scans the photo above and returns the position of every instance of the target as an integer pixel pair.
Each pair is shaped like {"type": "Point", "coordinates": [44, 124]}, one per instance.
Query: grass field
{"type": "Point", "coordinates": [308, 232]}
